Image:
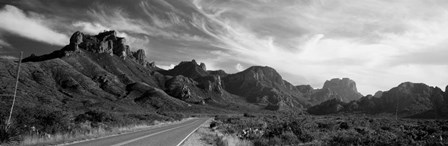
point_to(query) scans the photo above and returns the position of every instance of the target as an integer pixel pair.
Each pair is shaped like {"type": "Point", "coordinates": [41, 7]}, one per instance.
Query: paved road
{"type": "Point", "coordinates": [169, 135]}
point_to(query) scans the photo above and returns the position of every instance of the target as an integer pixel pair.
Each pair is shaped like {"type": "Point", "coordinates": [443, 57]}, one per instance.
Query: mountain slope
{"type": "Point", "coordinates": [343, 89]}
{"type": "Point", "coordinates": [407, 99]}
{"type": "Point", "coordinates": [263, 85]}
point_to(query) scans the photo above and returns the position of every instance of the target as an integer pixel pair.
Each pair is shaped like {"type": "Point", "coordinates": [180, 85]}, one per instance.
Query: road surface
{"type": "Point", "coordinates": [169, 135]}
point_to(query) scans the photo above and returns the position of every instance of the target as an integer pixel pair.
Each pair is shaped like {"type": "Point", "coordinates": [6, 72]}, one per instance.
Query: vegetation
{"type": "Point", "coordinates": [288, 129]}
{"type": "Point", "coordinates": [47, 125]}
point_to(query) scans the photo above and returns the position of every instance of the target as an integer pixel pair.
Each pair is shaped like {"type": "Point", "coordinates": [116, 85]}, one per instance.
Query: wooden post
{"type": "Point", "coordinates": [15, 91]}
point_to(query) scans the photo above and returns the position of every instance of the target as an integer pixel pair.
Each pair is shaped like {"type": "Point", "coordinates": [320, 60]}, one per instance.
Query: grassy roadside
{"type": "Point", "coordinates": [66, 138]}
{"type": "Point", "coordinates": [208, 135]}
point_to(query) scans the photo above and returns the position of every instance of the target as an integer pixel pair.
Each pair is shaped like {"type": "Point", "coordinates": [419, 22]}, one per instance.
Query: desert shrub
{"type": "Point", "coordinates": [147, 117]}
{"type": "Point", "coordinates": [344, 125]}
{"type": "Point", "coordinates": [289, 137]}
{"type": "Point", "coordinates": [41, 120]}
{"type": "Point", "coordinates": [268, 141]}
{"type": "Point", "coordinates": [326, 125]}
{"type": "Point", "coordinates": [249, 115]}
{"type": "Point", "coordinates": [95, 116]}
{"type": "Point", "coordinates": [213, 124]}
{"type": "Point", "coordinates": [346, 138]}
{"type": "Point", "coordinates": [172, 115]}
{"type": "Point", "coordinates": [387, 128]}
{"type": "Point", "coordinates": [221, 117]}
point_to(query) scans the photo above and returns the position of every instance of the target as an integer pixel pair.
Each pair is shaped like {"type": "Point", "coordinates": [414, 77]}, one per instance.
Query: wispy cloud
{"type": "Point", "coordinates": [239, 67]}
{"type": "Point", "coordinates": [31, 26]}
{"type": "Point", "coordinates": [378, 43]}
{"type": "Point", "coordinates": [325, 39]}
{"type": "Point", "coordinates": [141, 42]}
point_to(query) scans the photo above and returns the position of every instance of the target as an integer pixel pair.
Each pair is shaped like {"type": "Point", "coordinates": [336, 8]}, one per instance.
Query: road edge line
{"type": "Point", "coordinates": [108, 136]}
{"type": "Point", "coordinates": [181, 142]}
{"type": "Point", "coordinates": [146, 136]}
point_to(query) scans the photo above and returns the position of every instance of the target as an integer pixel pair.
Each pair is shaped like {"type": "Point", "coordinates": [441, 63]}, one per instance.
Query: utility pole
{"type": "Point", "coordinates": [15, 91]}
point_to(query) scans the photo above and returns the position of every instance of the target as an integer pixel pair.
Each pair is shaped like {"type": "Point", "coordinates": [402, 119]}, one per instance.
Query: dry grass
{"type": "Point", "coordinates": [206, 136]}
{"type": "Point", "coordinates": [61, 138]}
{"type": "Point", "coordinates": [232, 140]}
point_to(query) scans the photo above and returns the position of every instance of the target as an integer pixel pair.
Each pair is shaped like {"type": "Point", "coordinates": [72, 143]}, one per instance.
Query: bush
{"type": "Point", "coordinates": [172, 115]}
{"type": "Point", "coordinates": [213, 124]}
{"type": "Point", "coordinates": [95, 116]}
{"type": "Point", "coordinates": [346, 138]}
{"type": "Point", "coordinates": [249, 115]}
{"type": "Point", "coordinates": [41, 120]}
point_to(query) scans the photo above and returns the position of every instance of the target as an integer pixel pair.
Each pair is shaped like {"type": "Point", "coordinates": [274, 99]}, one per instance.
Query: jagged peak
{"type": "Point", "coordinates": [192, 64]}
{"type": "Point", "coordinates": [346, 82]}
{"type": "Point", "coordinates": [104, 42]}
{"type": "Point", "coordinates": [263, 69]}
{"type": "Point", "coordinates": [304, 88]}
{"type": "Point", "coordinates": [189, 69]}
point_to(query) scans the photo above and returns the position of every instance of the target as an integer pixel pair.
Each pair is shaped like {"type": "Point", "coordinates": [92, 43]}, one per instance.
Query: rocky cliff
{"type": "Point", "coordinates": [343, 89]}
{"type": "Point", "coordinates": [263, 85]}
{"type": "Point", "coordinates": [407, 99]}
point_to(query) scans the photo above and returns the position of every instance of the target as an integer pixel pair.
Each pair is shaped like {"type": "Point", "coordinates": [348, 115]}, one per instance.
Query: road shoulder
{"type": "Point", "coordinates": [197, 138]}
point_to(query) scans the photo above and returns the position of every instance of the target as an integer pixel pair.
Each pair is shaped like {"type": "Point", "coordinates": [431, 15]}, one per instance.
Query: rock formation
{"type": "Point", "coordinates": [304, 88]}
{"type": "Point", "coordinates": [75, 40]}
{"type": "Point", "coordinates": [106, 42]}
{"type": "Point", "coordinates": [407, 99]}
{"type": "Point", "coordinates": [140, 56]}
{"type": "Point", "coordinates": [265, 86]}
{"type": "Point", "coordinates": [378, 94]}
{"type": "Point", "coordinates": [211, 83]}
{"type": "Point", "coordinates": [189, 69]}
{"type": "Point", "coordinates": [121, 47]}
{"type": "Point", "coordinates": [202, 65]}
{"type": "Point", "coordinates": [345, 88]}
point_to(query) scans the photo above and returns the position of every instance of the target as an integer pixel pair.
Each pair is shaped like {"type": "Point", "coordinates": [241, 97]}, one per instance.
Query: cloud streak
{"type": "Point", "coordinates": [326, 39]}
{"type": "Point", "coordinates": [32, 27]}
{"type": "Point", "coordinates": [378, 43]}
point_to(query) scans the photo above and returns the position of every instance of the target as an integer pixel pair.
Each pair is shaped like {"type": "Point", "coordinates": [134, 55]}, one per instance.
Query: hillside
{"type": "Point", "coordinates": [408, 99]}
{"type": "Point", "coordinates": [264, 86]}
{"type": "Point", "coordinates": [342, 89]}
{"type": "Point", "coordinates": [97, 79]}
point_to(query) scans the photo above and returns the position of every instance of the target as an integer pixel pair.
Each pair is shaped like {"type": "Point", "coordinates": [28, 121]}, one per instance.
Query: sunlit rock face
{"type": "Point", "coordinates": [189, 69]}
{"type": "Point", "coordinates": [264, 85]}
{"type": "Point", "coordinates": [407, 99]}
{"type": "Point", "coordinates": [345, 88]}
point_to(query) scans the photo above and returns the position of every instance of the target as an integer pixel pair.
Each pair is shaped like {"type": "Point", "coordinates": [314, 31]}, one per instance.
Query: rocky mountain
{"type": "Point", "coordinates": [407, 99]}
{"type": "Point", "coordinates": [264, 86]}
{"type": "Point", "coordinates": [189, 69]}
{"type": "Point", "coordinates": [345, 88]}
{"type": "Point", "coordinates": [101, 72]}
{"type": "Point", "coordinates": [342, 89]}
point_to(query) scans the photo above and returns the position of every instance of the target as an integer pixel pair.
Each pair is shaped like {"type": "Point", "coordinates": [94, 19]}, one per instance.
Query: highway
{"type": "Point", "coordinates": [167, 135]}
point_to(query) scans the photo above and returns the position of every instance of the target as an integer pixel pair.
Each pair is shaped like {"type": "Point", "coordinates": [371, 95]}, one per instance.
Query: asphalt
{"type": "Point", "coordinates": [168, 135]}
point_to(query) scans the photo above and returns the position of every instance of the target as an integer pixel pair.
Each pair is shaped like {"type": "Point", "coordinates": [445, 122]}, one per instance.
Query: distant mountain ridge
{"type": "Point", "coordinates": [102, 72]}
{"type": "Point", "coordinates": [343, 89]}
{"type": "Point", "coordinates": [407, 99]}
{"type": "Point", "coordinates": [264, 85]}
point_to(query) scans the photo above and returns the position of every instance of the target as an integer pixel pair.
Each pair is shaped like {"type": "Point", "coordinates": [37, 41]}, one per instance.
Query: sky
{"type": "Point", "coordinates": [377, 43]}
